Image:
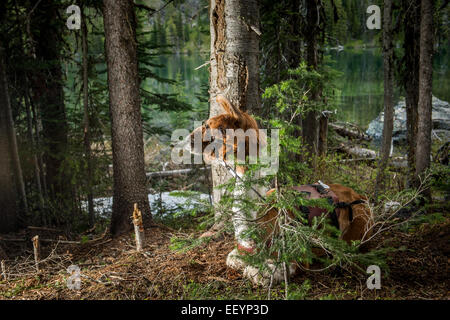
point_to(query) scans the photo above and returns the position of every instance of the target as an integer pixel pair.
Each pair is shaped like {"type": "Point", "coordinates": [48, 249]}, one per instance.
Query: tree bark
{"type": "Point", "coordinates": [323, 134]}
{"type": "Point", "coordinates": [388, 124]}
{"type": "Point", "coordinates": [36, 122]}
{"type": "Point", "coordinates": [37, 169]}
{"type": "Point", "coordinates": [126, 122]}
{"type": "Point", "coordinates": [47, 86]}
{"type": "Point", "coordinates": [425, 88]}
{"type": "Point", "coordinates": [87, 129]}
{"type": "Point", "coordinates": [310, 130]}
{"type": "Point", "coordinates": [411, 79]}
{"type": "Point", "coordinates": [31, 141]}
{"type": "Point", "coordinates": [8, 199]}
{"type": "Point", "coordinates": [18, 175]}
{"type": "Point", "coordinates": [234, 71]}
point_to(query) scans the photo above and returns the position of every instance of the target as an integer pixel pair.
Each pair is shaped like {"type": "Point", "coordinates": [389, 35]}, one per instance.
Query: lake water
{"type": "Point", "coordinates": [360, 86]}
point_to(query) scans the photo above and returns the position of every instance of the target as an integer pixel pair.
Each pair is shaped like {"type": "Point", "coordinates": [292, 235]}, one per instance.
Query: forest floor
{"type": "Point", "coordinates": [112, 269]}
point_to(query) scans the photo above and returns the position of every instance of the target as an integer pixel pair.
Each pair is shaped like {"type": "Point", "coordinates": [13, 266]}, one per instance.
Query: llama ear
{"type": "Point", "coordinates": [228, 107]}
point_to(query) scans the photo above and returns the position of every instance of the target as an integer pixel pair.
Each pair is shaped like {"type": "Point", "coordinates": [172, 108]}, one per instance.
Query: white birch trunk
{"type": "Point", "coordinates": [234, 70]}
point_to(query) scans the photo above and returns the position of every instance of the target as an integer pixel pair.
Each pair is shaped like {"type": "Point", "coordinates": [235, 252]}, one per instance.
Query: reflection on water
{"type": "Point", "coordinates": [191, 84]}
{"type": "Point", "coordinates": [360, 86]}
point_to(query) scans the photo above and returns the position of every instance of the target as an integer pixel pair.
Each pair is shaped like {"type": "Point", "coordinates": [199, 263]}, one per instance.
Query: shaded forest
{"type": "Point", "coordinates": [92, 94]}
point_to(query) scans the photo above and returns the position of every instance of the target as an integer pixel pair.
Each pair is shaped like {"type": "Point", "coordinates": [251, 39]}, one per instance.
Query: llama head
{"type": "Point", "coordinates": [233, 134]}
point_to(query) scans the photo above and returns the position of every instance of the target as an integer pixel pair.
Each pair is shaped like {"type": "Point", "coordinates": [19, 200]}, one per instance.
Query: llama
{"type": "Point", "coordinates": [353, 219]}
{"type": "Point", "coordinates": [222, 130]}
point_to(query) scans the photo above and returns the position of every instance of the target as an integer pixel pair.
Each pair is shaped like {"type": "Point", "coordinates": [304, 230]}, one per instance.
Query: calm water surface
{"type": "Point", "coordinates": [360, 87]}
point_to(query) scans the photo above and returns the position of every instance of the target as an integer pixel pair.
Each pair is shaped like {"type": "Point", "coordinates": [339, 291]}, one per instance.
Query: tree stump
{"type": "Point", "coordinates": [138, 228]}
{"type": "Point", "coordinates": [3, 267]}
{"type": "Point", "coordinates": [37, 251]}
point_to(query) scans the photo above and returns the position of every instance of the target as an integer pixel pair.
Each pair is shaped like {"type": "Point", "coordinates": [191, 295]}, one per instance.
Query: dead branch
{"type": "Point", "coordinates": [397, 162]}
{"type": "Point", "coordinates": [386, 219]}
{"type": "Point", "coordinates": [26, 266]}
{"type": "Point", "coordinates": [349, 133]}
{"type": "Point", "coordinates": [44, 229]}
{"type": "Point", "coordinates": [170, 173]}
{"type": "Point", "coordinates": [358, 151]}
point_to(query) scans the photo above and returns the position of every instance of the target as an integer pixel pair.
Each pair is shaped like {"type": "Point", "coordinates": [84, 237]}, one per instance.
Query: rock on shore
{"type": "Point", "coordinates": [440, 116]}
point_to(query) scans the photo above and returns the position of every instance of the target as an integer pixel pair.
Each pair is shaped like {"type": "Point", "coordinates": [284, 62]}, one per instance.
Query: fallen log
{"type": "Point", "coordinates": [170, 173]}
{"type": "Point", "coordinates": [349, 133]}
{"type": "Point", "coordinates": [364, 154]}
{"type": "Point", "coordinates": [51, 240]}
{"type": "Point", "coordinates": [397, 162]}
{"type": "Point", "coordinates": [44, 229]}
{"type": "Point", "coordinates": [358, 151]}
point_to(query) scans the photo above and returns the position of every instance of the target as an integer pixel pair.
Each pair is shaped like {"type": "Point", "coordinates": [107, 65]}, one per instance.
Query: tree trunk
{"type": "Point", "coordinates": [411, 79]}
{"type": "Point", "coordinates": [294, 44]}
{"type": "Point", "coordinates": [425, 88]}
{"type": "Point", "coordinates": [310, 131]}
{"type": "Point", "coordinates": [31, 141]}
{"type": "Point", "coordinates": [388, 124]}
{"type": "Point", "coordinates": [126, 123]}
{"type": "Point", "coordinates": [323, 135]}
{"type": "Point", "coordinates": [234, 64]}
{"type": "Point", "coordinates": [37, 169]}
{"type": "Point", "coordinates": [8, 200]}
{"type": "Point", "coordinates": [87, 130]}
{"type": "Point", "coordinates": [47, 86]}
{"type": "Point", "coordinates": [36, 122]}
{"type": "Point", "coordinates": [14, 149]}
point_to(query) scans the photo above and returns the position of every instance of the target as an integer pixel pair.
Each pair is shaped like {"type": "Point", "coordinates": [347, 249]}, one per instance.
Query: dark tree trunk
{"type": "Point", "coordinates": [411, 79]}
{"type": "Point", "coordinates": [323, 134]}
{"type": "Point", "coordinates": [126, 125]}
{"type": "Point", "coordinates": [46, 30]}
{"type": "Point", "coordinates": [388, 125]}
{"type": "Point", "coordinates": [311, 120]}
{"type": "Point", "coordinates": [87, 129]}
{"type": "Point", "coordinates": [39, 146]}
{"type": "Point", "coordinates": [234, 64]}
{"type": "Point", "coordinates": [425, 88]}
{"type": "Point", "coordinates": [294, 45]}
{"type": "Point", "coordinates": [14, 152]}
{"type": "Point", "coordinates": [8, 200]}
{"type": "Point", "coordinates": [37, 169]}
